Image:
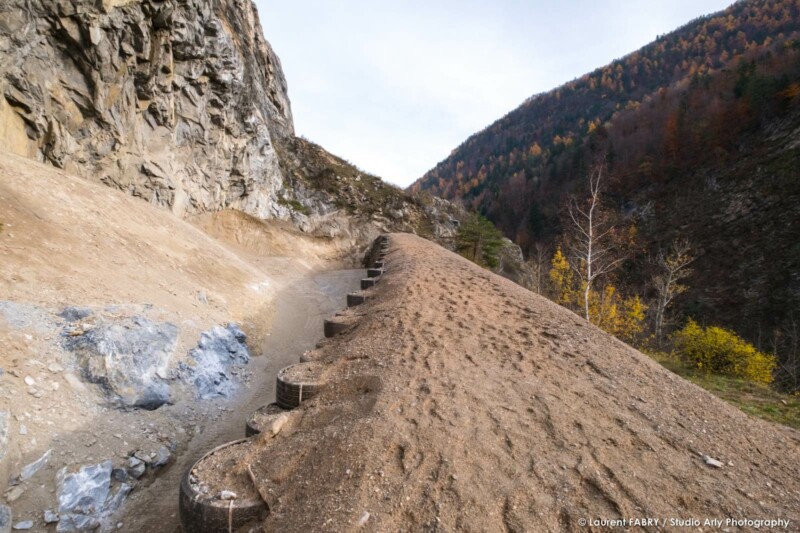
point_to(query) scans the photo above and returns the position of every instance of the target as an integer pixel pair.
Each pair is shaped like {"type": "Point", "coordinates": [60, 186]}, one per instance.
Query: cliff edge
{"type": "Point", "coordinates": [177, 102]}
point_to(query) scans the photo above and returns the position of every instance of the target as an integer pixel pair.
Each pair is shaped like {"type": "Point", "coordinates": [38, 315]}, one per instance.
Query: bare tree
{"type": "Point", "coordinates": [592, 252]}
{"type": "Point", "coordinates": [535, 271]}
{"type": "Point", "coordinates": [673, 267]}
{"type": "Point", "coordinates": [789, 358]}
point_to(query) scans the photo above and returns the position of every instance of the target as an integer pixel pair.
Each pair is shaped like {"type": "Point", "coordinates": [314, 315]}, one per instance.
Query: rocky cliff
{"type": "Point", "coordinates": [184, 104]}
{"type": "Point", "coordinates": [175, 101]}
{"type": "Point", "coordinates": [330, 197]}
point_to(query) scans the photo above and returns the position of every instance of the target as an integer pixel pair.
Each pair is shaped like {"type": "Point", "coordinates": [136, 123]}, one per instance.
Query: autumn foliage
{"type": "Point", "coordinates": [623, 317]}
{"type": "Point", "coordinates": [721, 351]}
{"type": "Point", "coordinates": [697, 129]}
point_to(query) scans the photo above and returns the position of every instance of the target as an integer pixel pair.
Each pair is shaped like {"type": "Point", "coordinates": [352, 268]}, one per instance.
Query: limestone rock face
{"type": "Point", "coordinates": [174, 101]}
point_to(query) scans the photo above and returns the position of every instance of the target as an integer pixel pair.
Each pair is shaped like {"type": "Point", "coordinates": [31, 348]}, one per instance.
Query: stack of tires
{"type": "Point", "coordinates": [202, 512]}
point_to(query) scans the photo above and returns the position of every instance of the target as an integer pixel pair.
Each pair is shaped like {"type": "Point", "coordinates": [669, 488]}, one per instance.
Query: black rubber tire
{"type": "Point", "coordinates": [212, 516]}
{"type": "Point", "coordinates": [366, 283]}
{"type": "Point", "coordinates": [374, 272]}
{"type": "Point", "coordinates": [252, 427]}
{"type": "Point", "coordinates": [355, 299]}
{"type": "Point", "coordinates": [333, 327]}
{"type": "Point", "coordinates": [289, 395]}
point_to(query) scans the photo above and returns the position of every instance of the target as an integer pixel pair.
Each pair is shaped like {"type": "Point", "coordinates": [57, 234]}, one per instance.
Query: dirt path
{"type": "Point", "coordinates": [462, 402]}
{"type": "Point", "coordinates": [300, 307]}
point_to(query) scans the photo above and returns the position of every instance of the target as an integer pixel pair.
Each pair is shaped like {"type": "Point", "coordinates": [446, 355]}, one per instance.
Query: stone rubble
{"type": "Point", "coordinates": [85, 497]}
{"type": "Point", "coordinates": [30, 470]}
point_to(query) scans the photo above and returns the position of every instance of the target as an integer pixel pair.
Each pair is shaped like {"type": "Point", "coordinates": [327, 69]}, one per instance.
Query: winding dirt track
{"type": "Point", "coordinates": [461, 401]}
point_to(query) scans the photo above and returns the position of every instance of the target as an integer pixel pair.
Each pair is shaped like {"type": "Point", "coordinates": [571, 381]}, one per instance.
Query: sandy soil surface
{"type": "Point", "coordinates": [68, 242]}
{"type": "Point", "coordinates": [462, 402]}
{"type": "Point", "coordinates": [300, 308]}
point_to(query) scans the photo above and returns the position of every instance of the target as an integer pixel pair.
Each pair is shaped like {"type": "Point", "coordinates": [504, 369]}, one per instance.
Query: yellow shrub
{"type": "Point", "coordinates": [631, 322]}
{"type": "Point", "coordinates": [622, 317]}
{"type": "Point", "coordinates": [721, 351]}
{"type": "Point", "coordinates": [562, 279]}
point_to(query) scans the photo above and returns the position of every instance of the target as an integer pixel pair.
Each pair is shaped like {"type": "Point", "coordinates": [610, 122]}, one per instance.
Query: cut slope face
{"type": "Point", "coordinates": [175, 102]}
{"type": "Point", "coordinates": [461, 401]}
{"type": "Point", "coordinates": [66, 241]}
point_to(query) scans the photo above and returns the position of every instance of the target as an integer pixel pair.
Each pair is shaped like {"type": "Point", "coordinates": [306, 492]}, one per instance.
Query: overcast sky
{"type": "Point", "coordinates": [395, 86]}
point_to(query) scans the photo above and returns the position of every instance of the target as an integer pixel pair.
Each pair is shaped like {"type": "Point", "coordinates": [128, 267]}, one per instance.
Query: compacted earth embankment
{"type": "Point", "coordinates": [456, 400]}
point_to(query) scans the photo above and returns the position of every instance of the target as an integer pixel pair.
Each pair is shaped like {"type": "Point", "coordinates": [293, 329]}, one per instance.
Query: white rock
{"type": "Point", "coordinates": [30, 381]}
{"type": "Point", "coordinates": [227, 495]}
{"type": "Point", "coordinates": [14, 494]}
{"type": "Point", "coordinates": [50, 517]}
{"type": "Point", "coordinates": [363, 519]}
{"type": "Point", "coordinates": [712, 462]}
{"type": "Point", "coordinates": [35, 466]}
{"type": "Point", "coordinates": [278, 423]}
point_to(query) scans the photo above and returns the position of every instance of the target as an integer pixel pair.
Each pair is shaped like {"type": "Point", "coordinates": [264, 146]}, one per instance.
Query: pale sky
{"type": "Point", "coordinates": [394, 87]}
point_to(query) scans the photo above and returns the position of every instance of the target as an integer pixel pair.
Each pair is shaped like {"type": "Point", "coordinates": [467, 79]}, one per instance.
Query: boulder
{"type": "Point", "coordinates": [218, 351]}
{"type": "Point", "coordinates": [136, 467]}
{"type": "Point", "coordinates": [128, 358]}
{"type": "Point", "coordinates": [5, 519]}
{"type": "Point", "coordinates": [162, 457]}
{"type": "Point", "coordinates": [85, 497]}
{"type": "Point", "coordinates": [74, 314]}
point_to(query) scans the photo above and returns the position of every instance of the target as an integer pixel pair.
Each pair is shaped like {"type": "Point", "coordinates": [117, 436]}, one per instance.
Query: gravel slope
{"type": "Point", "coordinates": [68, 242]}
{"type": "Point", "coordinates": [461, 401]}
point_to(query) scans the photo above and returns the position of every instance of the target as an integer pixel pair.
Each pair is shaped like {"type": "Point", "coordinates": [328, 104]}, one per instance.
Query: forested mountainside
{"type": "Point", "coordinates": [700, 133]}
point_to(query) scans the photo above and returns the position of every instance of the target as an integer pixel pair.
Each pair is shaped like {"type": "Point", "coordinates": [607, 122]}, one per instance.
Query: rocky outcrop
{"type": "Point", "coordinates": [332, 198]}
{"type": "Point", "coordinates": [85, 497]}
{"type": "Point", "coordinates": [213, 363]}
{"type": "Point", "coordinates": [174, 101]}
{"type": "Point", "coordinates": [128, 358]}
{"type": "Point", "coordinates": [184, 103]}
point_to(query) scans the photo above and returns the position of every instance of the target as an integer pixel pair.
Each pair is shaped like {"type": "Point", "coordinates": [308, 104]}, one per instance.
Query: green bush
{"type": "Point", "coordinates": [720, 351]}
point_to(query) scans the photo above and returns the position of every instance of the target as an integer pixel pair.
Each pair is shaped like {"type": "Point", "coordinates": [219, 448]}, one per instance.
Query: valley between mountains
{"type": "Point", "coordinates": [170, 249]}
